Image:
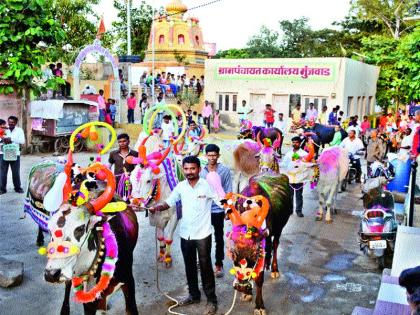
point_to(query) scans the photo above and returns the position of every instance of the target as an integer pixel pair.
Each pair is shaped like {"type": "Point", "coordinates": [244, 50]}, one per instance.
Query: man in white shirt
{"type": "Point", "coordinates": [311, 113]}
{"type": "Point", "coordinates": [406, 142]}
{"type": "Point", "coordinates": [16, 136]}
{"type": "Point", "coordinates": [195, 230]}
{"type": "Point", "coordinates": [167, 131]}
{"type": "Point", "coordinates": [281, 124]}
{"type": "Point", "coordinates": [353, 146]}
{"type": "Point", "coordinates": [287, 164]}
{"type": "Point", "coordinates": [243, 112]}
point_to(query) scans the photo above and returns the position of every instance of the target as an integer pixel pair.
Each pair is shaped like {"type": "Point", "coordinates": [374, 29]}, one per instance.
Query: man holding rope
{"type": "Point", "coordinates": [195, 229]}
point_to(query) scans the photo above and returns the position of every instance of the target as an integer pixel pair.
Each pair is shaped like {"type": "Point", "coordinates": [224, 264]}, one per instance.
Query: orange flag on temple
{"type": "Point", "coordinates": [101, 28]}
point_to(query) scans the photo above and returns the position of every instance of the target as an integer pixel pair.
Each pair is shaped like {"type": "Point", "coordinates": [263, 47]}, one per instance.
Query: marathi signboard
{"type": "Point", "coordinates": [276, 71]}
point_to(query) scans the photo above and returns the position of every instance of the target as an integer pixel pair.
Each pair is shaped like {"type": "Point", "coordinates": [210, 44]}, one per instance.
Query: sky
{"type": "Point", "coordinates": [230, 23]}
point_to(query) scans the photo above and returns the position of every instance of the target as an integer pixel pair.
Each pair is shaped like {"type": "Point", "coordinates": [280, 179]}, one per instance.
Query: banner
{"type": "Point", "coordinates": [273, 71]}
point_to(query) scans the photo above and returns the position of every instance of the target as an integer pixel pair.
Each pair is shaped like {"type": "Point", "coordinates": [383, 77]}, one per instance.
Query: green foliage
{"type": "Point", "coordinates": [265, 44]}
{"type": "Point", "coordinates": [180, 58]}
{"type": "Point", "coordinates": [189, 98]}
{"type": "Point", "coordinates": [29, 36]}
{"type": "Point", "coordinates": [399, 59]}
{"type": "Point", "coordinates": [80, 23]}
{"type": "Point", "coordinates": [233, 53]}
{"type": "Point", "coordinates": [390, 13]}
{"type": "Point", "coordinates": [295, 39]}
{"type": "Point", "coordinates": [141, 21]}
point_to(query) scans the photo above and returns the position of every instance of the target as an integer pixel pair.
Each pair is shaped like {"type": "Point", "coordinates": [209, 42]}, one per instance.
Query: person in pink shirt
{"type": "Point", "coordinates": [131, 104]}
{"type": "Point", "coordinates": [101, 105]}
{"type": "Point", "coordinates": [365, 124]}
{"type": "Point", "coordinates": [206, 113]}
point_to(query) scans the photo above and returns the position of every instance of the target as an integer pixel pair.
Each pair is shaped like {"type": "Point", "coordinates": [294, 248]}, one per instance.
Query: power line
{"type": "Point", "coordinates": [190, 9]}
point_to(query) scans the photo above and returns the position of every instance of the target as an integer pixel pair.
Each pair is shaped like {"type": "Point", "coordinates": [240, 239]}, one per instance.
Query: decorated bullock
{"type": "Point", "coordinates": [92, 242]}
{"type": "Point", "coordinates": [320, 134]}
{"type": "Point", "coordinates": [152, 180]}
{"type": "Point", "coordinates": [256, 131]}
{"type": "Point", "coordinates": [41, 178]}
{"type": "Point", "coordinates": [258, 216]}
{"type": "Point", "coordinates": [269, 158]}
{"type": "Point", "coordinates": [333, 164]}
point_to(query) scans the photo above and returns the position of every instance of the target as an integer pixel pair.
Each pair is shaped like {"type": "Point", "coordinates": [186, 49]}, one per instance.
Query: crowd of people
{"type": "Point", "coordinates": [169, 83]}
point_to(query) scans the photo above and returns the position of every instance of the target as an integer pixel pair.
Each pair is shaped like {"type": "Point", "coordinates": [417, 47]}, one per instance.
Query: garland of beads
{"type": "Point", "coordinates": [108, 268]}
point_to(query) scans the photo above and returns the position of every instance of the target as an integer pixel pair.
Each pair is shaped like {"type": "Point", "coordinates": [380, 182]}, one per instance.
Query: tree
{"type": "Point", "coordinates": [141, 22]}
{"type": "Point", "coordinates": [29, 35]}
{"type": "Point", "coordinates": [189, 98]}
{"type": "Point", "coordinates": [391, 13]}
{"type": "Point", "coordinates": [399, 79]}
{"type": "Point", "coordinates": [80, 22]}
{"type": "Point", "coordinates": [233, 53]}
{"type": "Point", "coordinates": [265, 44]}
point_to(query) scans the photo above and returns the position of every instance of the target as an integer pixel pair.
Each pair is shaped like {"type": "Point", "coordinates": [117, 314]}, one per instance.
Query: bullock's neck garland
{"type": "Point", "coordinates": [108, 268]}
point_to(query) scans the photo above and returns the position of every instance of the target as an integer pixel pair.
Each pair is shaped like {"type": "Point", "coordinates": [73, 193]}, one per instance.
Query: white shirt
{"type": "Point", "coordinates": [406, 141]}
{"type": "Point", "coordinates": [17, 136]}
{"type": "Point", "coordinates": [167, 130]}
{"type": "Point", "coordinates": [311, 114]}
{"type": "Point", "coordinates": [196, 201]}
{"type": "Point", "coordinates": [280, 125]}
{"type": "Point", "coordinates": [243, 112]}
{"type": "Point", "coordinates": [352, 146]}
{"type": "Point", "coordinates": [287, 159]}
{"type": "Point", "coordinates": [356, 129]}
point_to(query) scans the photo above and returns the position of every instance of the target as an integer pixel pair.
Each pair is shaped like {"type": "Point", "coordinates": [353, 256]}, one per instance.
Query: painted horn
{"type": "Point", "coordinates": [278, 140]}
{"type": "Point", "coordinates": [143, 142]}
{"type": "Point", "coordinates": [67, 169]}
{"type": "Point", "coordinates": [164, 155]}
{"type": "Point", "coordinates": [259, 139]}
{"type": "Point", "coordinates": [106, 197]}
{"type": "Point", "coordinates": [203, 133]}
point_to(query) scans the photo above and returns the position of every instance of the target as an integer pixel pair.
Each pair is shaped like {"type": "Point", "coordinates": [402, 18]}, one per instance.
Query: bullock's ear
{"type": "Point", "coordinates": [94, 220]}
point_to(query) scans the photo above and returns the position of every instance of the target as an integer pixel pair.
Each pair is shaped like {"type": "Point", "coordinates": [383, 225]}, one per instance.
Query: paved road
{"type": "Point", "coordinates": [323, 271]}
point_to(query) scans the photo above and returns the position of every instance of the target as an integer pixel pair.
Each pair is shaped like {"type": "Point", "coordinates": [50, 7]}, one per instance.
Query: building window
{"type": "Point", "coordinates": [181, 39]}
{"type": "Point", "coordinates": [227, 102]}
{"type": "Point", "coordinates": [161, 39]}
{"type": "Point", "coordinates": [324, 102]}
{"type": "Point", "coordinates": [197, 40]}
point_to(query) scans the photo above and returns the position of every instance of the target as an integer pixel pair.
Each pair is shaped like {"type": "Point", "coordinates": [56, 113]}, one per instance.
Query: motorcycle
{"type": "Point", "coordinates": [378, 226]}
{"type": "Point", "coordinates": [352, 172]}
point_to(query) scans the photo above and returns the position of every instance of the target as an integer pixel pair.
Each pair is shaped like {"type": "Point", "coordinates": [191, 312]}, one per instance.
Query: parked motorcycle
{"type": "Point", "coordinates": [378, 226]}
{"type": "Point", "coordinates": [352, 172]}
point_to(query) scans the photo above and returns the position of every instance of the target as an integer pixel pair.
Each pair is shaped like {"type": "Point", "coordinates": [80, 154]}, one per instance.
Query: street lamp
{"type": "Point", "coordinates": [129, 44]}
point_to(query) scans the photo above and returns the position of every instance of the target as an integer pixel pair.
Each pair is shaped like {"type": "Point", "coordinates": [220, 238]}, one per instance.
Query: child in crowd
{"type": "Point", "coordinates": [216, 121]}
{"type": "Point", "coordinates": [167, 130]}
{"type": "Point", "coordinates": [200, 119]}
{"type": "Point", "coordinates": [112, 111]}
{"type": "Point", "coordinates": [189, 116]}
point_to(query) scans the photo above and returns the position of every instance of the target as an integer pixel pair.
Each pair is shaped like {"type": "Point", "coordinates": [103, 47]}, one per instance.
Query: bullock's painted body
{"type": "Point", "coordinates": [276, 189]}
{"type": "Point", "coordinates": [333, 166]}
{"type": "Point", "coordinates": [148, 189]}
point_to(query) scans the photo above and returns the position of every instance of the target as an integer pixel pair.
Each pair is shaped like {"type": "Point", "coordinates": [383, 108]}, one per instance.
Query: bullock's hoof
{"type": "Point", "coordinates": [246, 298]}
{"type": "Point", "coordinates": [328, 221]}
{"type": "Point", "coordinates": [318, 217]}
{"type": "Point", "coordinates": [260, 311]}
{"type": "Point", "coordinates": [275, 275]}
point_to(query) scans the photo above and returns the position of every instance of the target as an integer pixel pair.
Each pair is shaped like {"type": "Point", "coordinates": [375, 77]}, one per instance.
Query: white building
{"type": "Point", "coordinates": [285, 82]}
